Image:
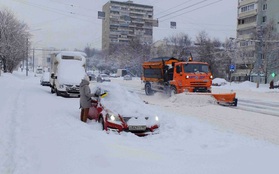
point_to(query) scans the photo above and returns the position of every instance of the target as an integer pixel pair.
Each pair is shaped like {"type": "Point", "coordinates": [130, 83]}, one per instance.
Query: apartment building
{"type": "Point", "coordinates": [253, 15]}
{"type": "Point", "coordinates": [124, 21]}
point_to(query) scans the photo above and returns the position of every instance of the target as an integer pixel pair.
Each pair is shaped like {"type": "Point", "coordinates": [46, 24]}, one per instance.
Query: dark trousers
{"type": "Point", "coordinates": [84, 114]}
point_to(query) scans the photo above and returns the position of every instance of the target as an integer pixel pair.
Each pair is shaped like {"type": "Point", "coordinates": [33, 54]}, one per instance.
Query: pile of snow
{"type": "Point", "coordinates": [245, 86]}
{"type": "Point", "coordinates": [70, 72]}
{"type": "Point", "coordinates": [192, 99]}
{"type": "Point", "coordinates": [123, 101]}
{"type": "Point", "coordinates": [219, 82]}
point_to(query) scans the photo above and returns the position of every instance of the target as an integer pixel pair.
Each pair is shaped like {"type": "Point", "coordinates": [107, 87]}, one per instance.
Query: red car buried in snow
{"type": "Point", "coordinates": [123, 111]}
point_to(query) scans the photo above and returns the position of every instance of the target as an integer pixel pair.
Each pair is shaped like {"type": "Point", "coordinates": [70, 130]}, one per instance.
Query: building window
{"type": "Point", "coordinates": [264, 19]}
{"type": "Point", "coordinates": [247, 20]}
{"type": "Point", "coordinates": [247, 8]}
{"type": "Point", "coordinates": [264, 7]}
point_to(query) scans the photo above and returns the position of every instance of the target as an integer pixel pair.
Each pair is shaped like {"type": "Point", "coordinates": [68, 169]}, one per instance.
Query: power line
{"type": "Point", "coordinates": [72, 5]}
{"type": "Point", "coordinates": [42, 7]}
{"type": "Point", "coordinates": [183, 9]}
{"type": "Point", "coordinates": [174, 7]}
{"type": "Point", "coordinates": [193, 10]}
{"type": "Point", "coordinates": [58, 11]}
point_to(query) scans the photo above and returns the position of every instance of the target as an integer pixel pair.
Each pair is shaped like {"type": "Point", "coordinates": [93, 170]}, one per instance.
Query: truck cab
{"type": "Point", "coordinates": [191, 77]}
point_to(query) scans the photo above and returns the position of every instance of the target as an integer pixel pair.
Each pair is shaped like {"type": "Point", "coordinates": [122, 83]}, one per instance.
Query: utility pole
{"type": "Point", "coordinates": [27, 57]}
{"type": "Point", "coordinates": [0, 66]}
{"type": "Point", "coordinates": [33, 58]}
{"type": "Point", "coordinates": [260, 54]}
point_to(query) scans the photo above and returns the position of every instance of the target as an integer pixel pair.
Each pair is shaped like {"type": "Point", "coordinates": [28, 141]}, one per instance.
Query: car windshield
{"type": "Point", "coordinates": [192, 68]}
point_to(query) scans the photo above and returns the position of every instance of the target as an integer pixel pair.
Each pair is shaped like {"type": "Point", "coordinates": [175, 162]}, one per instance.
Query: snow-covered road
{"type": "Point", "coordinates": [268, 108]}
{"type": "Point", "coordinates": [256, 114]}
{"type": "Point", "coordinates": [41, 133]}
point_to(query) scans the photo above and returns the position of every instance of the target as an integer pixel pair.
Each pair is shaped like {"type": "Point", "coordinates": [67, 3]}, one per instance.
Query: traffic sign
{"type": "Point", "coordinates": [232, 67]}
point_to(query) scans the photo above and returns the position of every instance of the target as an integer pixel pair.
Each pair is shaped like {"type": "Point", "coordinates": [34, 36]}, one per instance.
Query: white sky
{"type": "Point", "coordinates": [73, 23]}
{"type": "Point", "coordinates": [41, 133]}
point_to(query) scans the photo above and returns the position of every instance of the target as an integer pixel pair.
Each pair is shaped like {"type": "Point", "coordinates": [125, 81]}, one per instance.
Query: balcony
{"type": "Point", "coordinates": [246, 26]}
{"type": "Point", "coordinates": [245, 36]}
{"type": "Point", "coordinates": [247, 14]}
{"type": "Point", "coordinates": [138, 21]}
{"type": "Point", "coordinates": [245, 2]}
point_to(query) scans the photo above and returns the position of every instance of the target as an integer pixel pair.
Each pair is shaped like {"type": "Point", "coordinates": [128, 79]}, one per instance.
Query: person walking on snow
{"type": "Point", "coordinates": [85, 98]}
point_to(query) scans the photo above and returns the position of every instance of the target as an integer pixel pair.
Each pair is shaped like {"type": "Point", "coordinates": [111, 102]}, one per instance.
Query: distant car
{"type": "Point", "coordinates": [122, 111]}
{"type": "Point", "coordinates": [45, 79]}
{"type": "Point", "coordinates": [103, 78]}
{"type": "Point", "coordinates": [39, 72]}
{"type": "Point", "coordinates": [113, 75]}
{"type": "Point", "coordinates": [127, 77]}
{"type": "Point", "coordinates": [219, 82]}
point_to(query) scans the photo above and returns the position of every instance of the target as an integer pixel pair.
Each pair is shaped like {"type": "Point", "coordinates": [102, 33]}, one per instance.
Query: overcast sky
{"type": "Point", "coordinates": [74, 24]}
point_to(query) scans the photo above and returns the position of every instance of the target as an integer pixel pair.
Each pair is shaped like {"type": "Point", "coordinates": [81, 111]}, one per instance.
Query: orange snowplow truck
{"type": "Point", "coordinates": [171, 75]}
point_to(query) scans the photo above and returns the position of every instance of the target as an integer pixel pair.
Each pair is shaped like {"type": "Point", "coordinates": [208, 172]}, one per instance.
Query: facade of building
{"type": "Point", "coordinates": [124, 21]}
{"type": "Point", "coordinates": [252, 16]}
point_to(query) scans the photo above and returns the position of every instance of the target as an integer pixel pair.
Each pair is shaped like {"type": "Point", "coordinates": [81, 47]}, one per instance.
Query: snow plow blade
{"type": "Point", "coordinates": [226, 99]}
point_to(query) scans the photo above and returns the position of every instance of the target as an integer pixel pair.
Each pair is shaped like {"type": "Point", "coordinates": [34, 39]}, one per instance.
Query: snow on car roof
{"type": "Point", "coordinates": [122, 101]}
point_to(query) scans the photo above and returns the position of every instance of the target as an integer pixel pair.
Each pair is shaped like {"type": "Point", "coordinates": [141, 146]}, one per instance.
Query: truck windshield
{"type": "Point", "coordinates": [193, 68]}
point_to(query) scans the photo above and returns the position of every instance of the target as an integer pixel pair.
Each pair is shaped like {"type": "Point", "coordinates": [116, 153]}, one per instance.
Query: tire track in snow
{"type": "Point", "coordinates": [12, 129]}
{"type": "Point", "coordinates": [263, 107]}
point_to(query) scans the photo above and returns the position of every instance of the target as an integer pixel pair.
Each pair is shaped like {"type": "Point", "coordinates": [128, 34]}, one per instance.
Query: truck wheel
{"type": "Point", "coordinates": [235, 102]}
{"type": "Point", "coordinates": [173, 90]}
{"type": "Point", "coordinates": [148, 89]}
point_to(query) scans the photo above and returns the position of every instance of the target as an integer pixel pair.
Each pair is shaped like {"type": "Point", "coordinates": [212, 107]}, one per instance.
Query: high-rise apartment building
{"type": "Point", "coordinates": [253, 15]}
{"type": "Point", "coordinates": [124, 21]}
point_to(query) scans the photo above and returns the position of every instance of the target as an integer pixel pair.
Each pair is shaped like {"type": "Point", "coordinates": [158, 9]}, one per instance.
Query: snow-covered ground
{"type": "Point", "coordinates": [41, 133]}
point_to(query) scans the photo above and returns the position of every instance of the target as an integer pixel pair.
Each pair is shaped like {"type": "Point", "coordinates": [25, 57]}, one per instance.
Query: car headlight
{"type": "Point", "coordinates": [113, 117]}
{"type": "Point", "coordinates": [156, 118]}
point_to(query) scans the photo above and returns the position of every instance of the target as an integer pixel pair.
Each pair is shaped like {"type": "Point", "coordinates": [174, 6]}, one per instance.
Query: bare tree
{"type": "Point", "coordinates": [212, 52]}
{"type": "Point", "coordinates": [270, 48]}
{"type": "Point", "coordinates": [127, 55]}
{"type": "Point", "coordinates": [178, 45]}
{"type": "Point", "coordinates": [13, 40]}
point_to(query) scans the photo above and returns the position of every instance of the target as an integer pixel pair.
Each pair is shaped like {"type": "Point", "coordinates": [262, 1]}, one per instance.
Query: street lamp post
{"type": "Point", "coordinates": [27, 67]}
{"type": "Point", "coordinates": [0, 66]}
{"type": "Point", "coordinates": [33, 59]}
{"type": "Point", "coordinates": [27, 57]}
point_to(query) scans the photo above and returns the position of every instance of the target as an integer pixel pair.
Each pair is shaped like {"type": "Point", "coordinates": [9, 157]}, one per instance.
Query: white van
{"type": "Point", "coordinates": [67, 70]}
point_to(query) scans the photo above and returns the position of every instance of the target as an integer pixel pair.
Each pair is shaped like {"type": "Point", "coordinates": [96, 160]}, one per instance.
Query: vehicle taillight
{"type": "Point", "coordinates": [187, 77]}
{"type": "Point", "coordinates": [211, 77]}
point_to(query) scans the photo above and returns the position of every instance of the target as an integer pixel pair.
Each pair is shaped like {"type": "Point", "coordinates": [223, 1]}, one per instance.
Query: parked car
{"type": "Point", "coordinates": [103, 78]}
{"type": "Point", "coordinates": [127, 77]}
{"type": "Point", "coordinates": [44, 81]}
{"type": "Point", "coordinates": [113, 75]}
{"type": "Point", "coordinates": [122, 111]}
{"type": "Point", "coordinates": [39, 72]}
